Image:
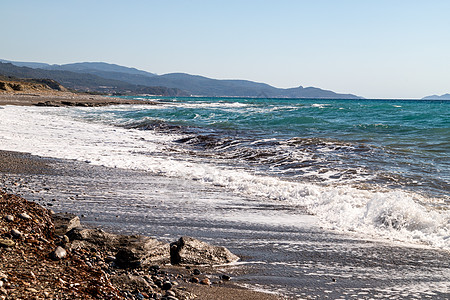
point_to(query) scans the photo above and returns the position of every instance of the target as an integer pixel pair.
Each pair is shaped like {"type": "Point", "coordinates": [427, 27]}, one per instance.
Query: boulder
{"type": "Point", "coordinates": [64, 222]}
{"type": "Point", "coordinates": [190, 251]}
{"type": "Point", "coordinates": [131, 251]}
{"type": "Point", "coordinates": [142, 251]}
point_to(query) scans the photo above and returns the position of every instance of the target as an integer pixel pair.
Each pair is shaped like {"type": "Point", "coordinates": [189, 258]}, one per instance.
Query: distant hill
{"type": "Point", "coordinates": [119, 77]}
{"type": "Point", "coordinates": [86, 82]}
{"type": "Point", "coordinates": [436, 97]}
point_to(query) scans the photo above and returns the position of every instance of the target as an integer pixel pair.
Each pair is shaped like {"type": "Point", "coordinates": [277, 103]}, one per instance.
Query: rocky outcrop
{"type": "Point", "coordinates": [130, 251]}
{"type": "Point", "coordinates": [190, 251]}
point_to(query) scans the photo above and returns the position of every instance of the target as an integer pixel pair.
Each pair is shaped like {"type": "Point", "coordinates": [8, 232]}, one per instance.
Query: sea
{"type": "Point", "coordinates": [227, 168]}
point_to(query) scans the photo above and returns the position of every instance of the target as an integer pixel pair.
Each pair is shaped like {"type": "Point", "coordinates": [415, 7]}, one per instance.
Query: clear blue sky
{"type": "Point", "coordinates": [375, 49]}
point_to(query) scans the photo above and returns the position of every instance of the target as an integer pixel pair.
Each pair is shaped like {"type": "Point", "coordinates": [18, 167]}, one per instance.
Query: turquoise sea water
{"type": "Point", "coordinates": [388, 143]}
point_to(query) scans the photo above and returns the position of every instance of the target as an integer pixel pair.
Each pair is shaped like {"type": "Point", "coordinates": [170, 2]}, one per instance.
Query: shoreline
{"type": "Point", "coordinates": [295, 261]}
{"type": "Point", "coordinates": [23, 164]}
{"type": "Point", "coordinates": [63, 99]}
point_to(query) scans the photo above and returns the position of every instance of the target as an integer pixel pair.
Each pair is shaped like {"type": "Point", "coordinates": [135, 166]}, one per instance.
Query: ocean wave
{"type": "Point", "coordinates": [388, 213]}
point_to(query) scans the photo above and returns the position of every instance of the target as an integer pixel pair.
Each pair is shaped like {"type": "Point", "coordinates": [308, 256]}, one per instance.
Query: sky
{"type": "Point", "coordinates": [374, 49]}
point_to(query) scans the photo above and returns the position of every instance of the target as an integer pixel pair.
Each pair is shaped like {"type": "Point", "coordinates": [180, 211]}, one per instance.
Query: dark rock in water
{"type": "Point", "coordinates": [59, 253]}
{"type": "Point", "coordinates": [64, 222]}
{"type": "Point", "coordinates": [188, 250]}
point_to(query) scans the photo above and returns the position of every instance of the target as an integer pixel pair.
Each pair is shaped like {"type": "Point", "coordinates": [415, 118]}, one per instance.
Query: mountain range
{"type": "Point", "coordinates": [114, 79]}
{"type": "Point", "coordinates": [436, 97]}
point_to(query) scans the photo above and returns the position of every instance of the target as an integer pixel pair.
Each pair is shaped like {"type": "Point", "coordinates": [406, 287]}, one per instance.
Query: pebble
{"type": "Point", "coordinates": [197, 272]}
{"type": "Point", "coordinates": [170, 293]}
{"type": "Point", "coordinates": [205, 281]}
{"type": "Point", "coordinates": [59, 253]}
{"type": "Point", "coordinates": [16, 233]}
{"type": "Point", "coordinates": [6, 243]}
{"type": "Point", "coordinates": [194, 280]}
{"type": "Point", "coordinates": [9, 218]}
{"type": "Point", "coordinates": [226, 277]}
{"type": "Point", "coordinates": [166, 286]}
{"type": "Point", "coordinates": [110, 258]}
{"type": "Point", "coordinates": [25, 216]}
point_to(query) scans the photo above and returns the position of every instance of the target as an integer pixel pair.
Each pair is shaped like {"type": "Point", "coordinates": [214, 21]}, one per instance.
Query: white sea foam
{"type": "Point", "coordinates": [53, 132]}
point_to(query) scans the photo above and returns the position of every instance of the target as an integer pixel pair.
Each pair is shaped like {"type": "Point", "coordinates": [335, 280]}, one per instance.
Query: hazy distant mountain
{"type": "Point", "coordinates": [87, 82]}
{"type": "Point", "coordinates": [192, 84]}
{"type": "Point", "coordinates": [436, 97]}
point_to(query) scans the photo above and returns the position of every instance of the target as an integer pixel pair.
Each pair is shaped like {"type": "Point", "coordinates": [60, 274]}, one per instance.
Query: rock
{"type": "Point", "coordinates": [133, 248]}
{"type": "Point", "coordinates": [188, 250]}
{"type": "Point", "coordinates": [25, 216]}
{"type": "Point", "coordinates": [59, 253]}
{"type": "Point", "coordinates": [130, 282]}
{"type": "Point", "coordinates": [205, 281]}
{"type": "Point", "coordinates": [166, 286]}
{"type": "Point", "coordinates": [6, 243]}
{"type": "Point", "coordinates": [127, 258]}
{"type": "Point", "coordinates": [64, 222]}
{"type": "Point", "coordinates": [16, 233]}
{"type": "Point", "coordinates": [197, 272]}
{"type": "Point", "coordinates": [226, 277]}
{"type": "Point", "coordinates": [110, 258]}
{"type": "Point", "coordinates": [9, 218]}
{"type": "Point", "coordinates": [194, 280]}
{"type": "Point", "coordinates": [170, 293]}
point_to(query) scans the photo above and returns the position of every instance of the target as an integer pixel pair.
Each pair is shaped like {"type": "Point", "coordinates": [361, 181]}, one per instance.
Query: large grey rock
{"type": "Point", "coordinates": [143, 251]}
{"type": "Point", "coordinates": [64, 222]}
{"type": "Point", "coordinates": [190, 251]}
{"type": "Point", "coordinates": [131, 250]}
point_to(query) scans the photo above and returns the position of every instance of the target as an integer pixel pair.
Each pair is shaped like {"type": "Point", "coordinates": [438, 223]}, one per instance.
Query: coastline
{"type": "Point", "coordinates": [331, 265]}
{"type": "Point", "coordinates": [62, 99]}
{"type": "Point", "coordinates": [21, 165]}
